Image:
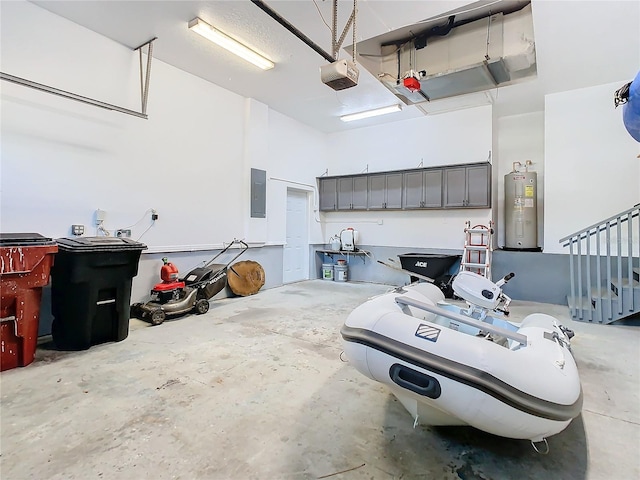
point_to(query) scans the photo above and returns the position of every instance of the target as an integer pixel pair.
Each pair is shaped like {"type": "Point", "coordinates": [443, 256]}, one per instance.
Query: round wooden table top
{"type": "Point", "coordinates": [245, 277]}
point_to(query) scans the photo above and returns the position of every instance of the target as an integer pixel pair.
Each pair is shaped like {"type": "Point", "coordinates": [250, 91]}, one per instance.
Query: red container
{"type": "Point", "coordinates": [25, 262]}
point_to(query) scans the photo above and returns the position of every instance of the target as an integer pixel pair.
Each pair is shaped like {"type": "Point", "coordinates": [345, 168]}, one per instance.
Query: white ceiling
{"type": "Point", "coordinates": [578, 44]}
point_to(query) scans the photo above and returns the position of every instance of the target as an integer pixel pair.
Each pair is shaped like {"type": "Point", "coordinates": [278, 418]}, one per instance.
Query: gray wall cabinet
{"type": "Point", "coordinates": [453, 186]}
{"type": "Point", "coordinates": [423, 189]}
{"type": "Point", "coordinates": [328, 193]}
{"type": "Point", "coordinates": [352, 193]}
{"type": "Point", "coordinates": [385, 191]}
{"type": "Point", "coordinates": [467, 186]}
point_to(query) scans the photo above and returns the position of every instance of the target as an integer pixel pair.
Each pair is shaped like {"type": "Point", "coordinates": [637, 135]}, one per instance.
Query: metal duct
{"type": "Point", "coordinates": [476, 78]}
{"type": "Point", "coordinates": [478, 56]}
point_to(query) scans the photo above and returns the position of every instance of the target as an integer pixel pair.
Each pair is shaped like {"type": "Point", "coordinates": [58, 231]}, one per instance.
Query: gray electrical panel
{"type": "Point", "coordinates": [258, 193]}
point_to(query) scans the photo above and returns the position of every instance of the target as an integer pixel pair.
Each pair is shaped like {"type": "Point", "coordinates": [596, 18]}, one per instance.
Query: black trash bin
{"type": "Point", "coordinates": [91, 290]}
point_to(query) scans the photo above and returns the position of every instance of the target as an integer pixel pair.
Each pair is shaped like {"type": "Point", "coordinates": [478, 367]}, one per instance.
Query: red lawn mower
{"type": "Point", "coordinates": [175, 296]}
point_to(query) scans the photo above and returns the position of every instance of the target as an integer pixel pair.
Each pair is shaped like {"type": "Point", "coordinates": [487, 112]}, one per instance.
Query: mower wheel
{"type": "Point", "coordinates": [202, 306]}
{"type": "Point", "coordinates": [157, 317]}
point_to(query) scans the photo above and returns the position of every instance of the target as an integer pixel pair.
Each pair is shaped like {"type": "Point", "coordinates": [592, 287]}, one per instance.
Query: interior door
{"type": "Point", "coordinates": [296, 249]}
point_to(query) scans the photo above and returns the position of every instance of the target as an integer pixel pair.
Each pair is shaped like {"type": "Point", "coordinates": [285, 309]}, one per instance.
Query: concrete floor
{"type": "Point", "coordinates": [255, 389]}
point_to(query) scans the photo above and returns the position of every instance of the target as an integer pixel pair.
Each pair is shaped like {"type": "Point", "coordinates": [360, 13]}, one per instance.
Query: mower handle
{"type": "Point", "coordinates": [233, 242]}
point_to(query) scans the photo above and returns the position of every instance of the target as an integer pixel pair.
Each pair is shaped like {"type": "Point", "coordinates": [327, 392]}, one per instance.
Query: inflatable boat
{"type": "Point", "coordinates": [451, 365]}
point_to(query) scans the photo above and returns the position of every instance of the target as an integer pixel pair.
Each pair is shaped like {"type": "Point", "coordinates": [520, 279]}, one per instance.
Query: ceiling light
{"type": "Point", "coordinates": [225, 41]}
{"type": "Point", "coordinates": [370, 113]}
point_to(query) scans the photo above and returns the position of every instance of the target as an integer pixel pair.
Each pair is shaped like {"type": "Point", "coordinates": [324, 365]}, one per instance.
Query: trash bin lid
{"type": "Point", "coordinates": [24, 240]}
{"type": "Point", "coordinates": [99, 244]}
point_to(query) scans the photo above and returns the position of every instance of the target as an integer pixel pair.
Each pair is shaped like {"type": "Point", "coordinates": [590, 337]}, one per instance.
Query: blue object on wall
{"type": "Point", "coordinates": [631, 110]}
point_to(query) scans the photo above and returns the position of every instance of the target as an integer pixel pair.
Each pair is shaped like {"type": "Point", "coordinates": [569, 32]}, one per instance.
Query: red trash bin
{"type": "Point", "coordinates": [25, 262]}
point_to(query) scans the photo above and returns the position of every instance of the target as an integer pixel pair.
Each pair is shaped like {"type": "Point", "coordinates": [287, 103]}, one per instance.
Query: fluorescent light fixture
{"type": "Point", "coordinates": [225, 41]}
{"type": "Point", "coordinates": [370, 113]}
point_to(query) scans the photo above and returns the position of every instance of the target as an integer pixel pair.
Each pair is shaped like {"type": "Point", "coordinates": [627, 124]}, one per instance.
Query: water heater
{"type": "Point", "coordinates": [521, 209]}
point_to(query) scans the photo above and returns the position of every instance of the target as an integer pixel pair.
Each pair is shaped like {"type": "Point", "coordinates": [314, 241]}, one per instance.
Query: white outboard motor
{"type": "Point", "coordinates": [481, 292]}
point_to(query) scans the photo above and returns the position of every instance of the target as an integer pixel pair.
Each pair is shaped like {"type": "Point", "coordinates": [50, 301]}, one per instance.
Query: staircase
{"type": "Point", "coordinates": [604, 264]}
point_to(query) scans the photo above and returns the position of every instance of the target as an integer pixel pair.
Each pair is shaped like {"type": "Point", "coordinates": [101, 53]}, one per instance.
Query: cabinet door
{"type": "Point", "coordinates": [360, 185]}
{"type": "Point", "coordinates": [327, 194]}
{"type": "Point", "coordinates": [455, 187]}
{"type": "Point", "coordinates": [377, 187]}
{"type": "Point", "coordinates": [432, 189]}
{"type": "Point", "coordinates": [394, 191]}
{"type": "Point", "coordinates": [413, 189]}
{"type": "Point", "coordinates": [479, 186]}
{"type": "Point", "coordinates": [345, 193]}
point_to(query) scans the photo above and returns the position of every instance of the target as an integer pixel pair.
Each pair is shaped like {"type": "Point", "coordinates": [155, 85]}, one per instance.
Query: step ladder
{"type": "Point", "coordinates": [476, 256]}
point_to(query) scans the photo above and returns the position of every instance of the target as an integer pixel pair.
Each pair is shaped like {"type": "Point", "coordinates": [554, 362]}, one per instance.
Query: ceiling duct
{"type": "Point", "coordinates": [474, 78]}
{"type": "Point", "coordinates": [459, 102]}
{"type": "Point", "coordinates": [477, 56]}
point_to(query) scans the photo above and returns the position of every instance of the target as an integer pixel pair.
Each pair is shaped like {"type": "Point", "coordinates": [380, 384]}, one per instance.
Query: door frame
{"type": "Point", "coordinates": [306, 256]}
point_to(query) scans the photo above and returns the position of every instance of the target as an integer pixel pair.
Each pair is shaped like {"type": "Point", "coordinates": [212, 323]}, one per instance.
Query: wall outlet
{"type": "Point", "coordinates": [77, 229]}
{"type": "Point", "coordinates": [123, 232]}
{"type": "Point", "coordinates": [100, 217]}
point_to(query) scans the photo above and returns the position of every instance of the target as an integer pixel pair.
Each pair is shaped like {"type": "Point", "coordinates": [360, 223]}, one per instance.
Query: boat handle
{"type": "Point", "coordinates": [417, 382]}
{"type": "Point", "coordinates": [487, 327]}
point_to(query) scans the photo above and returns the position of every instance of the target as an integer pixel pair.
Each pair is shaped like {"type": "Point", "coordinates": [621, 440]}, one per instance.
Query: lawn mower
{"type": "Point", "coordinates": [175, 296]}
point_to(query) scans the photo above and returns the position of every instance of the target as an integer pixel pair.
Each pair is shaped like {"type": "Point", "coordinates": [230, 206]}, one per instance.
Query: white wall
{"type": "Point", "coordinates": [591, 164]}
{"type": "Point", "coordinates": [191, 160]}
{"type": "Point", "coordinates": [61, 160]}
{"type": "Point", "coordinates": [297, 154]}
{"type": "Point", "coordinates": [452, 138]}
{"type": "Point", "coordinates": [520, 138]}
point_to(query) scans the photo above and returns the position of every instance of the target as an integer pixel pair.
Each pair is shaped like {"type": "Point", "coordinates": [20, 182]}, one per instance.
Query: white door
{"type": "Point", "coordinates": [296, 250]}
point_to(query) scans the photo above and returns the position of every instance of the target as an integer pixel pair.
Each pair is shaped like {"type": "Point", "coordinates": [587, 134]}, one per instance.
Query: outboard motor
{"type": "Point", "coordinates": [481, 293]}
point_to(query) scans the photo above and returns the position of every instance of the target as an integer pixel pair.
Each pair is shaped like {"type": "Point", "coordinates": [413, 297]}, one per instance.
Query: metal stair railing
{"type": "Point", "coordinates": [577, 259]}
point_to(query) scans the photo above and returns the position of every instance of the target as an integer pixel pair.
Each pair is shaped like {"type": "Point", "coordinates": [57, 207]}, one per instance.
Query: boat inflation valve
{"type": "Point", "coordinates": [488, 294]}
